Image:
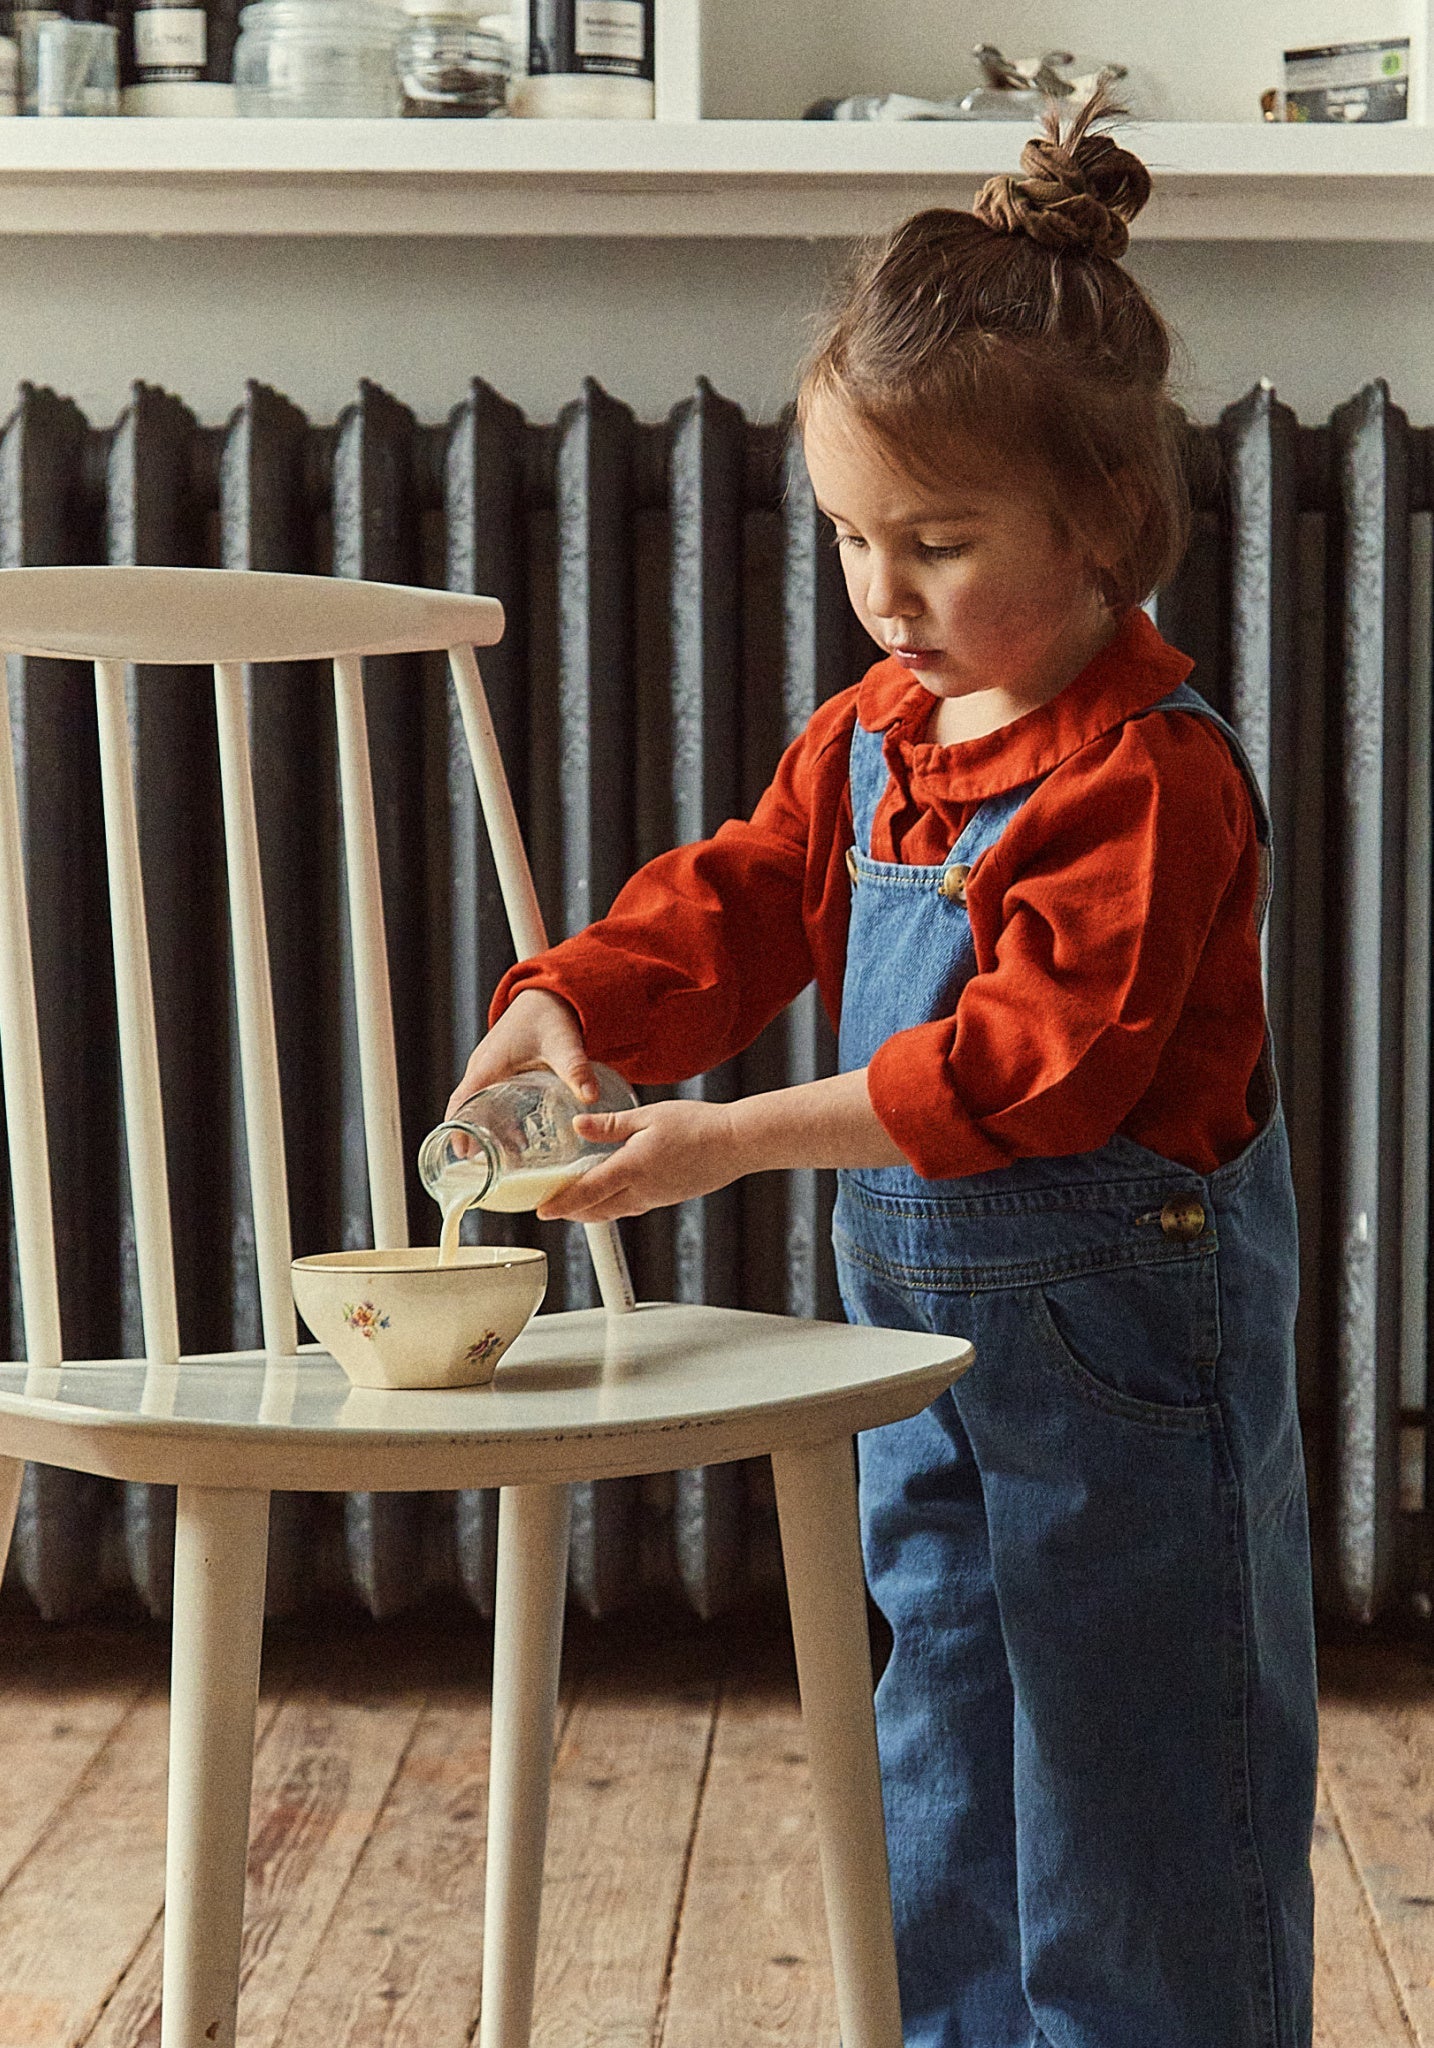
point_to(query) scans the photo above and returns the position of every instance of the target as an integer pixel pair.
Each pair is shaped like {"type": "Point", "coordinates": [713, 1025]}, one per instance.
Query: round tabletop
{"type": "Point", "coordinates": [581, 1395]}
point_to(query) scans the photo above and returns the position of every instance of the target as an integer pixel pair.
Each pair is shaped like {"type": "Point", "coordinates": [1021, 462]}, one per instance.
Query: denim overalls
{"type": "Point", "coordinates": [1097, 1725]}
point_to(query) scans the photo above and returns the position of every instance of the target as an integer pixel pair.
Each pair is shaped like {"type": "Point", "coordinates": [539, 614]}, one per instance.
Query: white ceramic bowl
{"type": "Point", "coordinates": [399, 1319]}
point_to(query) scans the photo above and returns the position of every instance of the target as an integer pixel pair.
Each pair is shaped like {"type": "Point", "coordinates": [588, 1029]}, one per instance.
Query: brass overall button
{"type": "Point", "coordinates": [1183, 1219]}
{"type": "Point", "coordinates": [953, 882]}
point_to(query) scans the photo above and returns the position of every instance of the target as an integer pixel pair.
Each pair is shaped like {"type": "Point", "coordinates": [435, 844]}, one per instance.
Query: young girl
{"type": "Point", "coordinates": [1027, 867]}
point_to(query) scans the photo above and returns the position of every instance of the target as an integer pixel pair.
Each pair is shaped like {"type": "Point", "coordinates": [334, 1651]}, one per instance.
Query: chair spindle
{"type": "Point", "coordinates": [378, 1060]}
{"type": "Point", "coordinates": [24, 1088]}
{"type": "Point", "coordinates": [254, 1001]}
{"type": "Point", "coordinates": [134, 998]}
{"type": "Point", "coordinates": [525, 917]}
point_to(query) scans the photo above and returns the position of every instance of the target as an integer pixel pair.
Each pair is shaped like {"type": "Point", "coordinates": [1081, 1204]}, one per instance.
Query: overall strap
{"type": "Point", "coordinates": [1184, 698]}
{"type": "Point", "coordinates": [869, 776]}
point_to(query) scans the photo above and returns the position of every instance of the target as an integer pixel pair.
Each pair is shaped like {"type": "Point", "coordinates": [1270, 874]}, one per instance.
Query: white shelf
{"type": "Point", "coordinates": [1215, 182]}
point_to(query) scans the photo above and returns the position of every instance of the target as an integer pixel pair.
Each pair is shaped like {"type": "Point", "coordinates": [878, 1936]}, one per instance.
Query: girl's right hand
{"type": "Point", "coordinates": [536, 1030]}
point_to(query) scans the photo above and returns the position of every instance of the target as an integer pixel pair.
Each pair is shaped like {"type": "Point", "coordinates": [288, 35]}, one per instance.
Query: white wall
{"type": "Point", "coordinates": [1205, 62]}
{"type": "Point", "coordinates": [87, 316]}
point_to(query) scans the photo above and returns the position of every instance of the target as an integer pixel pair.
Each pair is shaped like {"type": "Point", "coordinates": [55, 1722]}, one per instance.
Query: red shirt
{"type": "Point", "coordinates": [1118, 978]}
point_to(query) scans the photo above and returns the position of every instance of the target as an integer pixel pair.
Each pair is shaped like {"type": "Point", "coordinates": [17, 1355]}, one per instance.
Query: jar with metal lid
{"type": "Point", "coordinates": [310, 59]}
{"type": "Point", "coordinates": [450, 61]}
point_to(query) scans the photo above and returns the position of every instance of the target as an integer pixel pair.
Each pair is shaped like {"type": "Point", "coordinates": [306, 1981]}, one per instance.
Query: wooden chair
{"type": "Point", "coordinates": [592, 1394]}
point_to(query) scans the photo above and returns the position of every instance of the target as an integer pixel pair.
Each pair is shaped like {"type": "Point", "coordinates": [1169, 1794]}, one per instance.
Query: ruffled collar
{"type": "Point", "coordinates": [1134, 670]}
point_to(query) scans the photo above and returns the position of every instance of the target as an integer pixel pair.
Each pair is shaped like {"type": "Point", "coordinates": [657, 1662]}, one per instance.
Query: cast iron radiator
{"type": "Point", "coordinates": [675, 612]}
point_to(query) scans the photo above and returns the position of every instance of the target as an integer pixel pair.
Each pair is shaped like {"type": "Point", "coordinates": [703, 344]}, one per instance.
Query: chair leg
{"type": "Point", "coordinates": [533, 1523]}
{"type": "Point", "coordinates": [220, 1553]}
{"type": "Point", "coordinates": [12, 1473]}
{"type": "Point", "coordinates": [821, 1546]}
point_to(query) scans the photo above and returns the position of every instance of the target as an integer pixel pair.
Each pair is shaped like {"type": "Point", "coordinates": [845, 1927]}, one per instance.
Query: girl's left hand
{"type": "Point", "coordinates": [668, 1152]}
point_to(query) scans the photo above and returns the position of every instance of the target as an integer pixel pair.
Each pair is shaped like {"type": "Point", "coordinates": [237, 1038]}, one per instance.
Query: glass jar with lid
{"type": "Point", "coordinates": [310, 59]}
{"type": "Point", "coordinates": [452, 61]}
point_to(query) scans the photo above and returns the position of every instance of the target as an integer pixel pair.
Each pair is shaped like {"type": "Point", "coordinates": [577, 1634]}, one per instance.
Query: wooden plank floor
{"type": "Point", "coordinates": [682, 1907]}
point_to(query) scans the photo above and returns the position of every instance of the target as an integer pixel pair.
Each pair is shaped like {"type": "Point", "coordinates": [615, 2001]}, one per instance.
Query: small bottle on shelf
{"type": "Point", "coordinates": [180, 57]}
{"type": "Point", "coordinates": [76, 63]}
{"type": "Point", "coordinates": [25, 29]}
{"type": "Point", "coordinates": [587, 60]}
{"type": "Point", "coordinates": [9, 65]}
{"type": "Point", "coordinates": [452, 61]}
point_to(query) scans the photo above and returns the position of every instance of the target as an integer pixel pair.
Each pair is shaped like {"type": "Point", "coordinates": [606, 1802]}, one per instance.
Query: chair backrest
{"type": "Point", "coordinates": [223, 619]}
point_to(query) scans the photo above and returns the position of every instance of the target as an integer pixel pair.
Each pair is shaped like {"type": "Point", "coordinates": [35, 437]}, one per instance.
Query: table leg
{"type": "Point", "coordinates": [220, 1554]}
{"type": "Point", "coordinates": [533, 1523]}
{"type": "Point", "coordinates": [821, 1545]}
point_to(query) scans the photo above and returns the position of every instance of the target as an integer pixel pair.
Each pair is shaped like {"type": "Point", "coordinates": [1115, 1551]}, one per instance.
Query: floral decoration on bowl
{"type": "Point", "coordinates": [482, 1351]}
{"type": "Point", "coordinates": [365, 1317]}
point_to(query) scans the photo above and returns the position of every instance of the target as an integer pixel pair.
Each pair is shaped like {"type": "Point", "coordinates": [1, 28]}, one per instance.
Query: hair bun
{"type": "Point", "coordinates": [1080, 191]}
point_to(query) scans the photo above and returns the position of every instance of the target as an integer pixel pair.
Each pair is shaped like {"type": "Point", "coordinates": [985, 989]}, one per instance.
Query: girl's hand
{"type": "Point", "coordinates": [536, 1030]}
{"type": "Point", "coordinates": [668, 1152]}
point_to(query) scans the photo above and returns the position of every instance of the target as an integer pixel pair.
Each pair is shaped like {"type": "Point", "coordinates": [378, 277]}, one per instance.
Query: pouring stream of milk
{"type": "Point", "coordinates": [511, 1192]}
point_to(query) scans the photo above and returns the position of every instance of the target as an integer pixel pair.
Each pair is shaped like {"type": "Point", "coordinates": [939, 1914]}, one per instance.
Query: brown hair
{"type": "Point", "coordinates": [1014, 329]}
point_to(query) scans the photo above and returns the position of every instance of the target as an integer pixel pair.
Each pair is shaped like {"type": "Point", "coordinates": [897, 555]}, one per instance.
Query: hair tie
{"type": "Point", "coordinates": [1079, 191]}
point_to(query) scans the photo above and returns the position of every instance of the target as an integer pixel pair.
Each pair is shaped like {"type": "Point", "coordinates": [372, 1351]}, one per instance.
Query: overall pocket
{"type": "Point", "coordinates": [1139, 1341]}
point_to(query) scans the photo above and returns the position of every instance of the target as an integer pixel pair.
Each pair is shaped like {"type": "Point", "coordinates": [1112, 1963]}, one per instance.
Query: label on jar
{"type": "Point", "coordinates": [170, 41]}
{"type": "Point", "coordinates": [590, 38]}
{"type": "Point", "coordinates": [610, 28]}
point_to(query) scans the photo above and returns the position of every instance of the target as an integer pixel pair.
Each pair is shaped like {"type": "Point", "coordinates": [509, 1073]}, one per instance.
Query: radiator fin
{"type": "Point", "coordinates": [676, 612]}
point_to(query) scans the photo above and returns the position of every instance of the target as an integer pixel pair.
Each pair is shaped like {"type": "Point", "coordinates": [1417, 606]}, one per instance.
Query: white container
{"type": "Point", "coordinates": [399, 1319]}
{"type": "Point", "coordinates": [76, 68]}
{"type": "Point", "coordinates": [183, 100]}
{"type": "Point", "coordinates": [318, 59]}
{"type": "Point", "coordinates": [587, 60]}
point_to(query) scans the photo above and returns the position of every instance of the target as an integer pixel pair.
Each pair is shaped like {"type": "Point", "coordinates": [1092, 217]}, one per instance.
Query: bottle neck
{"type": "Point", "coordinates": [463, 1171]}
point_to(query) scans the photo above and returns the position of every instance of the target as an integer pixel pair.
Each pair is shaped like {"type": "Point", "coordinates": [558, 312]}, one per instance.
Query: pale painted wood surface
{"type": "Point", "coordinates": [27, 1132]}
{"type": "Point", "coordinates": [683, 1902]}
{"type": "Point", "coordinates": [254, 1006]}
{"type": "Point", "coordinates": [533, 1529]}
{"type": "Point", "coordinates": [134, 1011]}
{"type": "Point", "coordinates": [579, 1394]}
{"type": "Point", "coordinates": [203, 616]}
{"type": "Point", "coordinates": [821, 1544]}
{"type": "Point", "coordinates": [1216, 181]}
{"type": "Point", "coordinates": [368, 945]}
{"type": "Point", "coordinates": [220, 1554]}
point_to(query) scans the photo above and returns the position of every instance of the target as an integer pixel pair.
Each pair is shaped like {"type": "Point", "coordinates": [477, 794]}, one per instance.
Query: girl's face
{"type": "Point", "coordinates": [969, 584]}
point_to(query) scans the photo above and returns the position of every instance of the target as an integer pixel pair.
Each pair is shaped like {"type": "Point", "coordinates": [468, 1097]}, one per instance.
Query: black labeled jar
{"type": "Point", "coordinates": [588, 60]}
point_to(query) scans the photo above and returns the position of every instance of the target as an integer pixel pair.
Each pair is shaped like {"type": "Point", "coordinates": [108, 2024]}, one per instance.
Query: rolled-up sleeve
{"type": "Point", "coordinates": [707, 943]}
{"type": "Point", "coordinates": [1090, 918]}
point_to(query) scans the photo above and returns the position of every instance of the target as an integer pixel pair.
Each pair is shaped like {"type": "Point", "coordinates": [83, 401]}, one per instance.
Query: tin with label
{"type": "Point", "coordinates": [1343, 82]}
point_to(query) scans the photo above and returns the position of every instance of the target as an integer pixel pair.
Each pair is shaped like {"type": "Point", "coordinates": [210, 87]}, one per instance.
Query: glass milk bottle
{"type": "Point", "coordinates": [513, 1146]}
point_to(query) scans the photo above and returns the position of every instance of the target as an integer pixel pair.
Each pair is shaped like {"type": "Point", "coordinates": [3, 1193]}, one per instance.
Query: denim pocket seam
{"type": "Point", "coordinates": [1186, 1419]}
{"type": "Point", "coordinates": [1053, 1198]}
{"type": "Point", "coordinates": [1015, 1274]}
